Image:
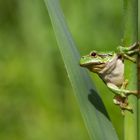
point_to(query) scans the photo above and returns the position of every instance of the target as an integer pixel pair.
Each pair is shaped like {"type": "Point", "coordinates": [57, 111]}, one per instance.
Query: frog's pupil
{"type": "Point", "coordinates": [93, 54]}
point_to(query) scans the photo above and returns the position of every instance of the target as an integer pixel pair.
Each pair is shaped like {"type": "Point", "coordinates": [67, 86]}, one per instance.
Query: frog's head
{"type": "Point", "coordinates": [95, 62]}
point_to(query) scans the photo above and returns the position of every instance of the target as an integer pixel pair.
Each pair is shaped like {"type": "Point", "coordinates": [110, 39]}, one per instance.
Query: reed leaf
{"type": "Point", "coordinates": [92, 108]}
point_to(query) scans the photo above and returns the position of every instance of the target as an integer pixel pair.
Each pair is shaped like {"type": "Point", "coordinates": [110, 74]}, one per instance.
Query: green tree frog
{"type": "Point", "coordinates": [110, 68]}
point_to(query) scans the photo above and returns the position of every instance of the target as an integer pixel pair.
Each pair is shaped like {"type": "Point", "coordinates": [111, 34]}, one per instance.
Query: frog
{"type": "Point", "coordinates": [109, 66]}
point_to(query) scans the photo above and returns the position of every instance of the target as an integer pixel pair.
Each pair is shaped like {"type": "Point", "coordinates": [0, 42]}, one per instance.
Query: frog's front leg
{"type": "Point", "coordinates": [126, 52]}
{"type": "Point", "coordinates": [120, 91]}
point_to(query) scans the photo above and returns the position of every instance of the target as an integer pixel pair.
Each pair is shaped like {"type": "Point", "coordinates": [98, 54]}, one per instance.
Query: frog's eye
{"type": "Point", "coordinates": [93, 54]}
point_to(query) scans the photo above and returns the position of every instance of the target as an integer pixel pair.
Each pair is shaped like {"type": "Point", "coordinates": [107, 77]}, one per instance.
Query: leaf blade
{"type": "Point", "coordinates": [93, 111]}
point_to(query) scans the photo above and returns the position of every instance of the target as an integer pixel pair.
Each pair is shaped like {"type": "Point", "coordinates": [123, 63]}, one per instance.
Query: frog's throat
{"type": "Point", "coordinates": [97, 68]}
{"type": "Point", "coordinates": [109, 66]}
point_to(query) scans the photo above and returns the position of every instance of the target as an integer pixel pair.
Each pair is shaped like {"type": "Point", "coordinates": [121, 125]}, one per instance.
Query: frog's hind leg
{"type": "Point", "coordinates": [121, 91]}
{"type": "Point", "coordinates": [123, 101]}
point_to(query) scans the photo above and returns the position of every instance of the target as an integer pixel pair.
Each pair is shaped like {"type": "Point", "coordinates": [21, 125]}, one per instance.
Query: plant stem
{"type": "Point", "coordinates": [139, 98]}
{"type": "Point", "coordinates": [131, 36]}
{"type": "Point", "coordinates": [138, 78]}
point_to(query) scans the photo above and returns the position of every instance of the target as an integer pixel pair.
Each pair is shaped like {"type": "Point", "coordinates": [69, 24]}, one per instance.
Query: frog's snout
{"type": "Point", "coordinates": [82, 61]}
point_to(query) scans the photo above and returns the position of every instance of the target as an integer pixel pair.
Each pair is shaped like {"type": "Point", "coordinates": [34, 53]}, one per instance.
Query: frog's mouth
{"type": "Point", "coordinates": [96, 67]}
{"type": "Point", "coordinates": [92, 64]}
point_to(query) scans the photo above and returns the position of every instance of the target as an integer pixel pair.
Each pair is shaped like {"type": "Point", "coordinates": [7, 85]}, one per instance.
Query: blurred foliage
{"type": "Point", "coordinates": [36, 98]}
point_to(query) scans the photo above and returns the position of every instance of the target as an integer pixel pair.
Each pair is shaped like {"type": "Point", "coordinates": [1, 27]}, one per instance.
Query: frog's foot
{"type": "Point", "coordinates": [129, 50]}
{"type": "Point", "coordinates": [122, 102]}
{"type": "Point", "coordinates": [119, 100]}
{"type": "Point", "coordinates": [126, 52]}
{"type": "Point", "coordinates": [128, 109]}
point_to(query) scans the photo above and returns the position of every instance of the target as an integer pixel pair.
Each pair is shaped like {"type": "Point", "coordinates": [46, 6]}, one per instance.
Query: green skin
{"type": "Point", "coordinates": [110, 68]}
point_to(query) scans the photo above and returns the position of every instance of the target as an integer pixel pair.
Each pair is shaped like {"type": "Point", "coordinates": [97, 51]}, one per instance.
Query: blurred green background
{"type": "Point", "coordinates": [36, 98]}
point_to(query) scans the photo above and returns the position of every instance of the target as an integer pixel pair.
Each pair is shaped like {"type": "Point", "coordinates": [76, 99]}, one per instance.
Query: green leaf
{"type": "Point", "coordinates": [93, 111]}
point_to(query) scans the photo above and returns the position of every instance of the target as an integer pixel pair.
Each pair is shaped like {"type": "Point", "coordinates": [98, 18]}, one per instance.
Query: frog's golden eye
{"type": "Point", "coordinates": [93, 54]}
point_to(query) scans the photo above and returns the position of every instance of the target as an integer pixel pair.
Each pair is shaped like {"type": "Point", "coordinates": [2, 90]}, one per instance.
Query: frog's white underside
{"type": "Point", "coordinates": [113, 72]}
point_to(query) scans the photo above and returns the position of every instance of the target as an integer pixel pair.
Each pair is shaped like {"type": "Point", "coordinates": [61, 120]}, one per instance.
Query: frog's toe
{"type": "Point", "coordinates": [128, 108]}
{"type": "Point", "coordinates": [123, 95]}
{"type": "Point", "coordinates": [133, 92]}
{"type": "Point", "coordinates": [116, 102]}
